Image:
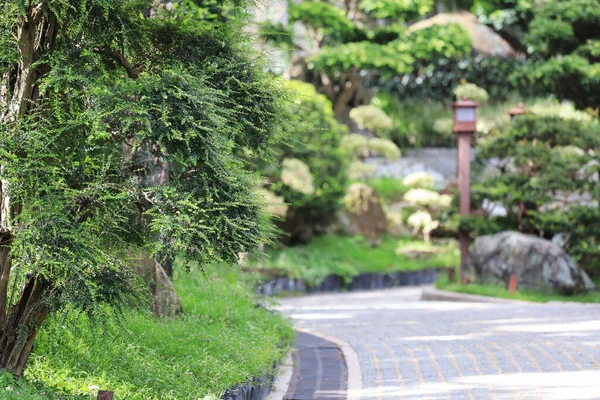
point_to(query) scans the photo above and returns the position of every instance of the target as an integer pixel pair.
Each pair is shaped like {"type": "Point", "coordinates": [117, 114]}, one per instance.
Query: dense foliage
{"type": "Point", "coordinates": [89, 87]}
{"type": "Point", "coordinates": [564, 37]}
{"type": "Point", "coordinates": [348, 256]}
{"type": "Point", "coordinates": [346, 52]}
{"type": "Point", "coordinates": [437, 80]}
{"type": "Point", "coordinates": [546, 179]}
{"type": "Point", "coordinates": [314, 142]}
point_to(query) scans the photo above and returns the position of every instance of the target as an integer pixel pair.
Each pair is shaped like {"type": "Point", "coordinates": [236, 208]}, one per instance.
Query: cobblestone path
{"type": "Point", "coordinates": [410, 349]}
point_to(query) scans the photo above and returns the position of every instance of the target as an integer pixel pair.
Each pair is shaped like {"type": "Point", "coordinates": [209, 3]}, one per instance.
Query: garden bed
{"type": "Point", "coordinates": [522, 294]}
{"type": "Point", "coordinates": [332, 263]}
{"type": "Point", "coordinates": [221, 341]}
{"type": "Point", "coordinates": [337, 283]}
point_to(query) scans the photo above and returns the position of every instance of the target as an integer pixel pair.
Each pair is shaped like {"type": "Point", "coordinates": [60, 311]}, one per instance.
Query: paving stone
{"type": "Point", "coordinates": [410, 349]}
{"type": "Point", "coordinates": [319, 370]}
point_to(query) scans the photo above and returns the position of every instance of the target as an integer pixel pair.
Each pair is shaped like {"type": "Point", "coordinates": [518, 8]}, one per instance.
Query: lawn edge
{"type": "Point", "coordinates": [432, 294]}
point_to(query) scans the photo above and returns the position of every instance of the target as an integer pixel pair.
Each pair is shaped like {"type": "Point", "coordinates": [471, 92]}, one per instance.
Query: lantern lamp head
{"type": "Point", "coordinates": [465, 116]}
{"type": "Point", "coordinates": [517, 111]}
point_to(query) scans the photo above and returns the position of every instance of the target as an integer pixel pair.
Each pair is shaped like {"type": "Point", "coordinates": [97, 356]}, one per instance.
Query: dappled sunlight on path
{"type": "Point", "coordinates": [410, 349]}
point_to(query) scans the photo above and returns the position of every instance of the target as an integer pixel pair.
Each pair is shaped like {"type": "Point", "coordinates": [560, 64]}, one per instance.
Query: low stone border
{"type": "Point", "coordinates": [431, 294]}
{"type": "Point", "coordinates": [336, 283]}
{"type": "Point", "coordinates": [257, 389]}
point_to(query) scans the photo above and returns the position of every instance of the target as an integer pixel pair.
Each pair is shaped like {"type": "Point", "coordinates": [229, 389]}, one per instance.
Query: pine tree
{"type": "Point", "coordinates": [84, 85]}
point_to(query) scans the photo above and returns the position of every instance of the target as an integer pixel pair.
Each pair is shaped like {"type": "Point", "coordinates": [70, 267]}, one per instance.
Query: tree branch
{"type": "Point", "coordinates": [132, 70]}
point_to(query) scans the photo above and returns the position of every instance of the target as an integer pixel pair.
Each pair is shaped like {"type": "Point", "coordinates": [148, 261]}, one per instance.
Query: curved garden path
{"type": "Point", "coordinates": [410, 349]}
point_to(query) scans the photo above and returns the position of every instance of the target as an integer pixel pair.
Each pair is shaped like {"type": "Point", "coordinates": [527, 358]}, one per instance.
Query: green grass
{"type": "Point", "coordinates": [523, 294]}
{"type": "Point", "coordinates": [221, 340]}
{"type": "Point", "coordinates": [349, 256]}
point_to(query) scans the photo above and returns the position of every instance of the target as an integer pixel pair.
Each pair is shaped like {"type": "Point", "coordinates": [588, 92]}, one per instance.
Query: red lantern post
{"type": "Point", "coordinates": [465, 125]}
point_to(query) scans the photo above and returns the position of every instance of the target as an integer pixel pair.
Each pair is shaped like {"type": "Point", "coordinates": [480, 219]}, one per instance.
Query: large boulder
{"type": "Point", "coordinates": [485, 40]}
{"type": "Point", "coordinates": [537, 263]}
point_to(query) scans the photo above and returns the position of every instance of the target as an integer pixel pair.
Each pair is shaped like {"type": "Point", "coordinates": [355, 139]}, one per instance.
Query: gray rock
{"type": "Point", "coordinates": [537, 263]}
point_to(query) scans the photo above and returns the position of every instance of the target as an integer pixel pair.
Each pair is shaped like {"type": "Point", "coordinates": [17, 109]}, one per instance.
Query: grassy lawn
{"type": "Point", "coordinates": [349, 256]}
{"type": "Point", "coordinates": [523, 294]}
{"type": "Point", "coordinates": [221, 340]}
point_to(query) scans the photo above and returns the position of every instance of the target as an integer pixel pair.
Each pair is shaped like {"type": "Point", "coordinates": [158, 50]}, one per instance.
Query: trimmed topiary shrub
{"type": "Point", "coordinates": [545, 181]}
{"type": "Point", "coordinates": [470, 91]}
{"type": "Point", "coordinates": [419, 180]}
{"type": "Point", "coordinates": [310, 170]}
{"type": "Point", "coordinates": [372, 119]}
{"type": "Point", "coordinates": [427, 198]}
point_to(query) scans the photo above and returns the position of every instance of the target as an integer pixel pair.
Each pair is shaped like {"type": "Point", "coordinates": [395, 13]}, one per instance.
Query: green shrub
{"type": "Point", "coordinates": [332, 21]}
{"type": "Point", "coordinates": [360, 171]}
{"type": "Point", "coordinates": [470, 91]}
{"type": "Point", "coordinates": [355, 144]}
{"type": "Point", "coordinates": [349, 256]}
{"type": "Point", "coordinates": [315, 143]}
{"type": "Point", "coordinates": [427, 198]}
{"type": "Point", "coordinates": [389, 189]}
{"type": "Point", "coordinates": [372, 119]}
{"type": "Point", "coordinates": [437, 80]}
{"type": "Point", "coordinates": [563, 42]}
{"type": "Point", "coordinates": [384, 148]}
{"type": "Point", "coordinates": [296, 175]}
{"type": "Point", "coordinates": [396, 9]}
{"type": "Point", "coordinates": [547, 179]}
{"type": "Point", "coordinates": [435, 43]}
{"type": "Point", "coordinates": [419, 180]}
{"type": "Point", "coordinates": [413, 122]}
{"type": "Point", "coordinates": [360, 147]}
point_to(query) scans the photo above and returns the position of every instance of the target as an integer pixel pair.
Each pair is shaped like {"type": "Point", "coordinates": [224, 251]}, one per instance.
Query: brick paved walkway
{"type": "Point", "coordinates": [410, 349]}
{"type": "Point", "coordinates": [319, 370]}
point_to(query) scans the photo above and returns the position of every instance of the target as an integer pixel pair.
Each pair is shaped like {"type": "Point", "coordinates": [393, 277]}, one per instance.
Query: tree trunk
{"type": "Point", "coordinates": [20, 331]}
{"type": "Point", "coordinates": [19, 94]}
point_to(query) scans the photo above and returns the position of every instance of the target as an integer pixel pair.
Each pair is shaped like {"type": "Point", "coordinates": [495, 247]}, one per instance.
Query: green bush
{"type": "Point", "coordinates": [372, 119]}
{"type": "Point", "coordinates": [413, 121]}
{"type": "Point", "coordinates": [419, 180]}
{"type": "Point", "coordinates": [563, 41]}
{"type": "Point", "coordinates": [547, 179]}
{"type": "Point", "coordinates": [332, 21]}
{"type": "Point", "coordinates": [389, 189]}
{"type": "Point", "coordinates": [396, 9]}
{"type": "Point", "coordinates": [315, 142]}
{"type": "Point", "coordinates": [360, 146]}
{"type": "Point", "coordinates": [384, 148]}
{"type": "Point", "coordinates": [437, 80]}
{"type": "Point", "coordinates": [349, 256]}
{"type": "Point", "coordinates": [470, 91]}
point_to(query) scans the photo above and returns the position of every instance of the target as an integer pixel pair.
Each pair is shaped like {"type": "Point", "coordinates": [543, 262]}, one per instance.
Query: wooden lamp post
{"type": "Point", "coordinates": [465, 125]}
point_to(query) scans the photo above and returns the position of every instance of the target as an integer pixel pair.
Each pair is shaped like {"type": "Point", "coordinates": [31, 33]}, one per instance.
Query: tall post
{"type": "Point", "coordinates": [465, 125]}
{"type": "Point", "coordinates": [464, 184]}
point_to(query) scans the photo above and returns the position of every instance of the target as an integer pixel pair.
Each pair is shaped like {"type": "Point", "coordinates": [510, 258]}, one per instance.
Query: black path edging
{"type": "Point", "coordinates": [336, 283]}
{"type": "Point", "coordinates": [319, 370]}
{"type": "Point", "coordinates": [257, 389]}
